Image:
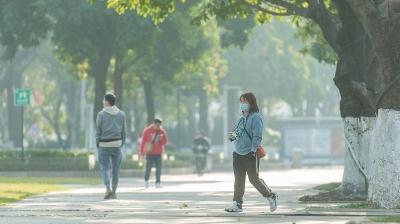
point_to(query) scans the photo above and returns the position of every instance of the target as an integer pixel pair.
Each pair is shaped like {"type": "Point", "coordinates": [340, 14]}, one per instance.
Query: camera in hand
{"type": "Point", "coordinates": [233, 137]}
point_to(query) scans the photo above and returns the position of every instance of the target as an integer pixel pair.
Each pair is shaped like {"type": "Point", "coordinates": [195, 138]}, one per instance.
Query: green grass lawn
{"type": "Point", "coordinates": [392, 219]}
{"type": "Point", "coordinates": [13, 189]}
{"type": "Point", "coordinates": [327, 187]}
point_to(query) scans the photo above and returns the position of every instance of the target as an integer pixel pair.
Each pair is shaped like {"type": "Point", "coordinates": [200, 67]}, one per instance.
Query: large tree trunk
{"type": "Point", "coordinates": [356, 85]}
{"type": "Point", "coordinates": [191, 128]}
{"type": "Point", "coordinates": [4, 83]}
{"type": "Point", "coordinates": [100, 75]}
{"type": "Point", "coordinates": [358, 133]}
{"type": "Point", "coordinates": [147, 85]}
{"type": "Point", "coordinates": [384, 188]}
{"type": "Point", "coordinates": [385, 182]}
{"type": "Point", "coordinates": [105, 53]}
{"type": "Point", "coordinates": [13, 78]}
{"type": "Point", "coordinates": [3, 119]}
{"type": "Point", "coordinates": [118, 87]}
{"type": "Point", "coordinates": [203, 111]}
{"type": "Point", "coordinates": [357, 78]}
{"type": "Point", "coordinates": [137, 116]}
{"type": "Point", "coordinates": [14, 113]}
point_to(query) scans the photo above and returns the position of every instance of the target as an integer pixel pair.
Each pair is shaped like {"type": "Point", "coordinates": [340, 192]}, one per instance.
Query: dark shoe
{"type": "Point", "coordinates": [113, 196]}
{"type": "Point", "coordinates": [108, 193]}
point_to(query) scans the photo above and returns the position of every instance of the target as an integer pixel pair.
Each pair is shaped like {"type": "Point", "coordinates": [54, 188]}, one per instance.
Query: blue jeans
{"type": "Point", "coordinates": [107, 154]}
{"type": "Point", "coordinates": [150, 159]}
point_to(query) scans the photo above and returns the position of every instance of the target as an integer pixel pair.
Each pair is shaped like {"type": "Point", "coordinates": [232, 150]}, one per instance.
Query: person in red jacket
{"type": "Point", "coordinates": [154, 138]}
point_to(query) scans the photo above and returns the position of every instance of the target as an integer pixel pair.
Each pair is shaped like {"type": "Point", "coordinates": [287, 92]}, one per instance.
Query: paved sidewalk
{"type": "Point", "coordinates": [185, 199]}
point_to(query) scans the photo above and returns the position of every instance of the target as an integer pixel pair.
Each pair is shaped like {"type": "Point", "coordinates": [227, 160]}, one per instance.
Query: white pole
{"type": "Point", "coordinates": [228, 145]}
{"type": "Point", "coordinates": [89, 131]}
{"type": "Point", "coordinates": [83, 103]}
{"type": "Point", "coordinates": [225, 115]}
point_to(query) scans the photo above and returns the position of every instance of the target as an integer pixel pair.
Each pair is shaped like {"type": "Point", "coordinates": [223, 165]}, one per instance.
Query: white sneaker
{"type": "Point", "coordinates": [146, 184]}
{"type": "Point", "coordinates": [234, 208]}
{"type": "Point", "coordinates": [273, 202]}
{"type": "Point", "coordinates": [158, 185]}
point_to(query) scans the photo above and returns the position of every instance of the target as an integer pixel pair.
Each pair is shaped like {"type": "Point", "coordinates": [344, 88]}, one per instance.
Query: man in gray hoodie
{"type": "Point", "coordinates": [110, 137]}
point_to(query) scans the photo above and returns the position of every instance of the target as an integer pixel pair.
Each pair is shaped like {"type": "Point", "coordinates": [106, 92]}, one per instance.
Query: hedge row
{"type": "Point", "coordinates": [42, 153]}
{"type": "Point", "coordinates": [57, 160]}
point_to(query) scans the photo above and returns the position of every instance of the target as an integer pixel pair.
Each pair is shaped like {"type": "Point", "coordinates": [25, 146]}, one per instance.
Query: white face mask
{"type": "Point", "coordinates": [244, 107]}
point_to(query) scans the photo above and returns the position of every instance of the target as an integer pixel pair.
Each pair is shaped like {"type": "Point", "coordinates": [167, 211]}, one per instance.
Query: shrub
{"type": "Point", "coordinates": [62, 160]}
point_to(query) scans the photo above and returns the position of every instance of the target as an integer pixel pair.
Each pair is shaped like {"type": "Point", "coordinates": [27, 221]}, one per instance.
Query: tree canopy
{"type": "Point", "coordinates": [22, 23]}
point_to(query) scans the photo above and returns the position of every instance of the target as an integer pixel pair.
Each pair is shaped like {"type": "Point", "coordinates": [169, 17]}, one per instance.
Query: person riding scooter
{"type": "Point", "coordinates": [200, 147]}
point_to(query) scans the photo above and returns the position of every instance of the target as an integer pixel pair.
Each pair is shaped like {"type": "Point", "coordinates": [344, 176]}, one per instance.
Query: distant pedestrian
{"type": "Point", "coordinates": [200, 147]}
{"type": "Point", "coordinates": [154, 138]}
{"type": "Point", "coordinates": [110, 137]}
{"type": "Point", "coordinates": [247, 137]}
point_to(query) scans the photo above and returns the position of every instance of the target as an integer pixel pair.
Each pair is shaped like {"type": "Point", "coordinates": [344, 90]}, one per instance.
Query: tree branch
{"type": "Point", "coordinates": [140, 56]}
{"type": "Point", "coordinates": [54, 122]}
{"type": "Point", "coordinates": [334, 17]}
{"type": "Point", "coordinates": [289, 6]}
{"type": "Point", "coordinates": [259, 8]}
{"type": "Point", "coordinates": [47, 116]}
{"type": "Point", "coordinates": [317, 11]}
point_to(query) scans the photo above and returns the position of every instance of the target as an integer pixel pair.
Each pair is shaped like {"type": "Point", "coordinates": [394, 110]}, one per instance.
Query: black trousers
{"type": "Point", "coordinates": [247, 164]}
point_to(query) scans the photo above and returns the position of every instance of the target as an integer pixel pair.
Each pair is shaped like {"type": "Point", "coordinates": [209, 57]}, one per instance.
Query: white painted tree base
{"type": "Point", "coordinates": [384, 189]}
{"type": "Point", "coordinates": [359, 135]}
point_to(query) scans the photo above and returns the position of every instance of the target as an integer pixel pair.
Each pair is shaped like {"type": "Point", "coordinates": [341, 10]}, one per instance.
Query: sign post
{"type": "Point", "coordinates": [22, 97]}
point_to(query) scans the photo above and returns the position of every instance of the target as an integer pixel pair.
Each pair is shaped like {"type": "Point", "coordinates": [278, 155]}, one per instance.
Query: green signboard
{"type": "Point", "coordinates": [22, 97]}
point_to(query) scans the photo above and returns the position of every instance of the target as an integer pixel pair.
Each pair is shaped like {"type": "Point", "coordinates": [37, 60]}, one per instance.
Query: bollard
{"type": "Point", "coordinates": [221, 157]}
{"type": "Point", "coordinates": [92, 161]}
{"type": "Point", "coordinates": [297, 158]}
{"type": "Point", "coordinates": [164, 156]}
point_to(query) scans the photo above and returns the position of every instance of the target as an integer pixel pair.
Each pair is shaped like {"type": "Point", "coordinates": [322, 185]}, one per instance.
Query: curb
{"type": "Point", "coordinates": [136, 172]}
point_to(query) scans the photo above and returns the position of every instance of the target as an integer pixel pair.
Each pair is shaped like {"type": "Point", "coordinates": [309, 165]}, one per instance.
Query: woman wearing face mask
{"type": "Point", "coordinates": [247, 137]}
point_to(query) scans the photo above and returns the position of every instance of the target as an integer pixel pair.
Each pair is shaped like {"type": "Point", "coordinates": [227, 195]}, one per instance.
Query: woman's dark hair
{"type": "Point", "coordinates": [110, 98]}
{"type": "Point", "coordinates": [252, 101]}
